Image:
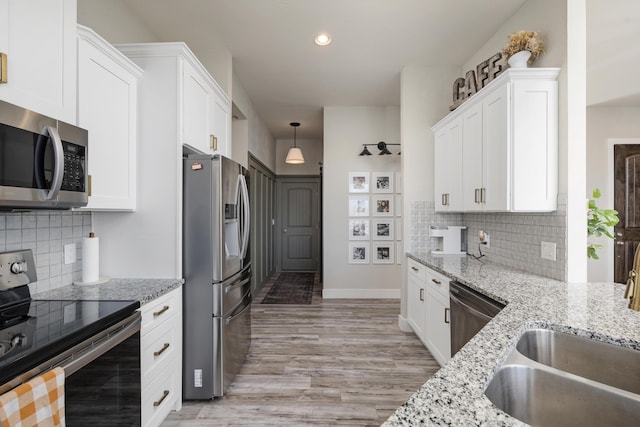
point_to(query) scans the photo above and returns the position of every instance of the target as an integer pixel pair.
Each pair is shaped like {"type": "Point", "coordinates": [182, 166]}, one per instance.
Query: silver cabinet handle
{"type": "Point", "coordinates": [483, 198]}
{"type": "Point", "coordinates": [436, 281]}
{"type": "Point", "coordinates": [421, 294]}
{"type": "Point", "coordinates": [475, 196]}
{"type": "Point", "coordinates": [446, 319]}
{"type": "Point", "coordinates": [415, 269]}
{"type": "Point", "coordinates": [619, 234]}
{"type": "Point", "coordinates": [619, 243]}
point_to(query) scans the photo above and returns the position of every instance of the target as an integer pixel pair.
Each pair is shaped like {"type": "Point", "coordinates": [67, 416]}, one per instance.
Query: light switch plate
{"type": "Point", "coordinates": [70, 253]}
{"type": "Point", "coordinates": [548, 250]}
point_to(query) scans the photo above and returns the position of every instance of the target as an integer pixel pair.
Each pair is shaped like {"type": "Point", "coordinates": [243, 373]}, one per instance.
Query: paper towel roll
{"type": "Point", "coordinates": [90, 259]}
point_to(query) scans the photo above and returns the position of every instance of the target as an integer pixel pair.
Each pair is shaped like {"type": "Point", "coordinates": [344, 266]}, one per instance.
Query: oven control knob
{"type": "Point", "coordinates": [19, 340]}
{"type": "Point", "coordinates": [16, 268]}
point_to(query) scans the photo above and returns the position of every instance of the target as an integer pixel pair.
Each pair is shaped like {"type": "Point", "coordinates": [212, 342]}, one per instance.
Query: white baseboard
{"type": "Point", "coordinates": [403, 324]}
{"type": "Point", "coordinates": [361, 293]}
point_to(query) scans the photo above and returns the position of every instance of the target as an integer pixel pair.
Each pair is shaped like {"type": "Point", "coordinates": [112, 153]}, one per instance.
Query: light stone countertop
{"type": "Point", "coordinates": [143, 290]}
{"type": "Point", "coordinates": [454, 396]}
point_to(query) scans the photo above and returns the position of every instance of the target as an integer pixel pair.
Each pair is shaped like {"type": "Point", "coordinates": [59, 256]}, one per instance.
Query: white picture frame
{"type": "Point", "coordinates": [382, 182]}
{"type": "Point", "coordinates": [382, 205]}
{"type": "Point", "coordinates": [398, 204]}
{"type": "Point", "coordinates": [399, 253]}
{"type": "Point", "coordinates": [382, 229]}
{"type": "Point", "coordinates": [399, 229]}
{"type": "Point", "coordinates": [359, 229]}
{"type": "Point", "coordinates": [358, 205]}
{"type": "Point", "coordinates": [358, 182]}
{"type": "Point", "coordinates": [358, 253]}
{"type": "Point", "coordinates": [398, 182]}
{"type": "Point", "coordinates": [383, 253]}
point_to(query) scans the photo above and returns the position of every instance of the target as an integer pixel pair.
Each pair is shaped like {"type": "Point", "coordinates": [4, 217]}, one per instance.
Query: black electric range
{"type": "Point", "coordinates": [34, 331]}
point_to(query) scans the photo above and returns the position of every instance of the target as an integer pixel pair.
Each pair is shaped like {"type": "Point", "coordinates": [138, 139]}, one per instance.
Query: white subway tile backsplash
{"type": "Point", "coordinates": [45, 232]}
{"type": "Point", "coordinates": [515, 237]}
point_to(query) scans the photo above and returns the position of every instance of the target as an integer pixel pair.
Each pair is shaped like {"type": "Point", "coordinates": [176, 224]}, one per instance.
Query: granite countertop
{"type": "Point", "coordinates": [143, 290]}
{"type": "Point", "coordinates": [454, 396]}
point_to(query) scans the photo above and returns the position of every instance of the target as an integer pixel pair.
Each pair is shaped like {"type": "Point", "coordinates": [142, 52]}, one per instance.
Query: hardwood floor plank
{"type": "Point", "coordinates": [331, 363]}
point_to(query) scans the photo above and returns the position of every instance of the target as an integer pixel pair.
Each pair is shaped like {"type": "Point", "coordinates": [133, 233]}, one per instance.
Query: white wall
{"type": "Point", "coordinates": [604, 123]}
{"type": "Point", "coordinates": [311, 150]}
{"type": "Point", "coordinates": [114, 21]}
{"type": "Point", "coordinates": [345, 130]}
{"type": "Point", "coordinates": [260, 141]}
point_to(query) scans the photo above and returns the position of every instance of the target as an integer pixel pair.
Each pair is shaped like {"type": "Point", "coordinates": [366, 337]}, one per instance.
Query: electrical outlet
{"type": "Point", "coordinates": [484, 238]}
{"type": "Point", "coordinates": [548, 250]}
{"type": "Point", "coordinates": [70, 253]}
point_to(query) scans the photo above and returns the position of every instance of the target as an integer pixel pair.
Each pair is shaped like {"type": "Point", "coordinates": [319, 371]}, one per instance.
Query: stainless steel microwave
{"type": "Point", "coordinates": [43, 161]}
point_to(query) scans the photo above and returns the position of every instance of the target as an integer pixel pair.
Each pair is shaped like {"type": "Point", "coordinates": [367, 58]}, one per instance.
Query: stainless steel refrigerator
{"type": "Point", "coordinates": [217, 273]}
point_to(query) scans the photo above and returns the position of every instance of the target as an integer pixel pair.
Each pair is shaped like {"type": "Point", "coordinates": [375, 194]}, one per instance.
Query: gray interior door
{"type": "Point", "coordinates": [298, 220]}
{"type": "Point", "coordinates": [627, 203]}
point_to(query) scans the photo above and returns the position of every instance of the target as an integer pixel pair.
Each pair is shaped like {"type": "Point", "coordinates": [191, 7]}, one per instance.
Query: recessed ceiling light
{"type": "Point", "coordinates": [323, 39]}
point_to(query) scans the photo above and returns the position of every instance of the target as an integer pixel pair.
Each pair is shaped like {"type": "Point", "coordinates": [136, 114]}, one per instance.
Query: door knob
{"type": "Point", "coordinates": [620, 243]}
{"type": "Point", "coordinates": [285, 230]}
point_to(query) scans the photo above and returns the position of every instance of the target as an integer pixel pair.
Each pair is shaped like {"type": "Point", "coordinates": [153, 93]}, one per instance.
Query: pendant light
{"type": "Point", "coordinates": [294, 156]}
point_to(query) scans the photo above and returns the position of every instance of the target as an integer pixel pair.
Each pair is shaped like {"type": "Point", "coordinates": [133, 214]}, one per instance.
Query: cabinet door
{"type": "Point", "coordinates": [448, 167]}
{"type": "Point", "coordinates": [438, 334]}
{"type": "Point", "coordinates": [472, 163]}
{"type": "Point", "coordinates": [496, 155]}
{"type": "Point", "coordinates": [196, 113]}
{"type": "Point", "coordinates": [39, 38]}
{"type": "Point", "coordinates": [107, 107]}
{"type": "Point", "coordinates": [221, 128]}
{"type": "Point", "coordinates": [416, 306]}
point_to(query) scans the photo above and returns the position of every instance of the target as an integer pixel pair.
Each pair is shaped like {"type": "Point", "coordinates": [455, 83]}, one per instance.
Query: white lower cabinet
{"type": "Point", "coordinates": [437, 329]}
{"type": "Point", "coordinates": [428, 309]}
{"type": "Point", "coordinates": [416, 297]}
{"type": "Point", "coordinates": [161, 357]}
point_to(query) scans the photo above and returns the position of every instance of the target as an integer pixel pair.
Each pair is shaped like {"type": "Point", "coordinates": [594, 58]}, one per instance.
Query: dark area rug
{"type": "Point", "coordinates": [291, 288]}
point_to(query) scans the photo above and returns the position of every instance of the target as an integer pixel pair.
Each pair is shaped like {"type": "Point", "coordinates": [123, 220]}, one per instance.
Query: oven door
{"type": "Point", "coordinates": [102, 377]}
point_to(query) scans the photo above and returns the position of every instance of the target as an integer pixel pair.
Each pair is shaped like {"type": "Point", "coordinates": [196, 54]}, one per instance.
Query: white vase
{"type": "Point", "coordinates": [519, 59]}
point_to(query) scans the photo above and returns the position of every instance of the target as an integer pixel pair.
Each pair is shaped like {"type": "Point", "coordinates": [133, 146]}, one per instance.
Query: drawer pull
{"type": "Point", "coordinates": [446, 319]}
{"type": "Point", "coordinates": [158, 313]}
{"type": "Point", "coordinates": [436, 281]}
{"type": "Point", "coordinates": [421, 294]}
{"type": "Point", "coordinates": [164, 396]}
{"type": "Point", "coordinates": [159, 352]}
{"type": "Point", "coordinates": [415, 269]}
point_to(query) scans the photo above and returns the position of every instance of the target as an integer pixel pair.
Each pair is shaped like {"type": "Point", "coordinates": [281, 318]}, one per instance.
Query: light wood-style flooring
{"type": "Point", "coordinates": [334, 362]}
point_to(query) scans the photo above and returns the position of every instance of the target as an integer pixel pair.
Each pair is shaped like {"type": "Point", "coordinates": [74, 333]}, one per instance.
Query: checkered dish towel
{"type": "Point", "coordinates": [36, 403]}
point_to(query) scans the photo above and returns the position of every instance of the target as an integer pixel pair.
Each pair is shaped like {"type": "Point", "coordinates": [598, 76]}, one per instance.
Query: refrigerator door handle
{"type": "Point", "coordinates": [246, 216]}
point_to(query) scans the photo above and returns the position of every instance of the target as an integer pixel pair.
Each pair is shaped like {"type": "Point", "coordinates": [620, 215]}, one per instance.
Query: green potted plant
{"type": "Point", "coordinates": [523, 47]}
{"type": "Point", "coordinates": [598, 223]}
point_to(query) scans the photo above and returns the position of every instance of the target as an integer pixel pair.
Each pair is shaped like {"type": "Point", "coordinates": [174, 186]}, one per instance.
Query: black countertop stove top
{"type": "Point", "coordinates": [34, 331]}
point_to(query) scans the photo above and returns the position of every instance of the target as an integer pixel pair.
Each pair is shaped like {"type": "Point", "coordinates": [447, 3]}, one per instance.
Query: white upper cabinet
{"type": "Point", "coordinates": [206, 113]}
{"type": "Point", "coordinates": [509, 144]}
{"type": "Point", "coordinates": [39, 39]}
{"type": "Point", "coordinates": [448, 166]}
{"type": "Point", "coordinates": [107, 108]}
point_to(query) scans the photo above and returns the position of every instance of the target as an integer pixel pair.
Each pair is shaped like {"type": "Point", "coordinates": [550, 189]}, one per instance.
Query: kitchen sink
{"type": "Point", "coordinates": [606, 363]}
{"type": "Point", "coordinates": [557, 379]}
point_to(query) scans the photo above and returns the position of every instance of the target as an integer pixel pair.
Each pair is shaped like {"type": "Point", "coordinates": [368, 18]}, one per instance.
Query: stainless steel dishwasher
{"type": "Point", "coordinates": [470, 312]}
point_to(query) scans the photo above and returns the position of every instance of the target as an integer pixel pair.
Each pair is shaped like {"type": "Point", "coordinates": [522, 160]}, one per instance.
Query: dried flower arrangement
{"type": "Point", "coordinates": [524, 40]}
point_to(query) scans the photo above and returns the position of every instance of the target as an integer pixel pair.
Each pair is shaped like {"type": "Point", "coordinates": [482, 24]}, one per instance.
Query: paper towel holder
{"type": "Point", "coordinates": [96, 254]}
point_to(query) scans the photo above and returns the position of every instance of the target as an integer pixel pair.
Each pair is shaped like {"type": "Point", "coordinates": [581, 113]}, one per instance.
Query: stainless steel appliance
{"type": "Point", "coordinates": [97, 343]}
{"type": "Point", "coordinates": [470, 312]}
{"type": "Point", "coordinates": [217, 273]}
{"type": "Point", "coordinates": [43, 161]}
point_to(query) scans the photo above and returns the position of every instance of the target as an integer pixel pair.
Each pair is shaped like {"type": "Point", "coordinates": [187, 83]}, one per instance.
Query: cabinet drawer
{"type": "Point", "coordinates": [437, 282]}
{"type": "Point", "coordinates": [157, 347]}
{"type": "Point", "coordinates": [158, 398]}
{"type": "Point", "coordinates": [416, 270]}
{"type": "Point", "coordinates": [161, 309]}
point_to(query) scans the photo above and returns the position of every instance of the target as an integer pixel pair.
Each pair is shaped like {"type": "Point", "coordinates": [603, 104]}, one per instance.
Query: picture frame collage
{"type": "Point", "coordinates": [375, 218]}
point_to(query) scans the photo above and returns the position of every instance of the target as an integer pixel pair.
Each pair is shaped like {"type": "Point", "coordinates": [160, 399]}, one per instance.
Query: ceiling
{"type": "Point", "coordinates": [288, 78]}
